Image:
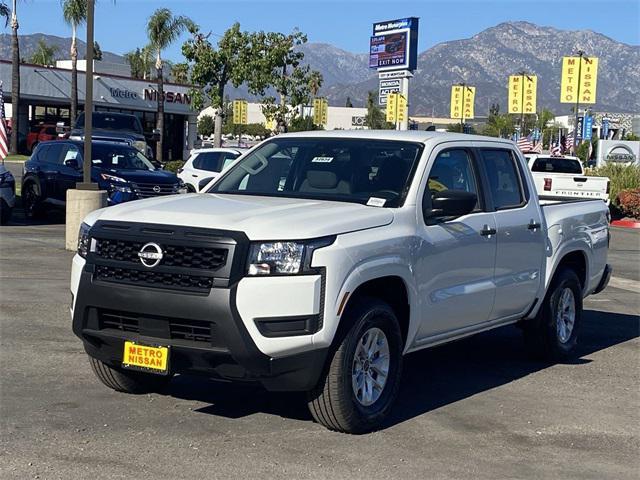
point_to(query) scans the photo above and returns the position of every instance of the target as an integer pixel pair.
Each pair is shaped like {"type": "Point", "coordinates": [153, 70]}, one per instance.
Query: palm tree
{"type": "Point", "coordinates": [163, 29]}
{"type": "Point", "coordinates": [75, 14]}
{"type": "Point", "coordinates": [15, 78]}
{"type": "Point", "coordinates": [44, 54]}
{"type": "Point", "coordinates": [5, 12]}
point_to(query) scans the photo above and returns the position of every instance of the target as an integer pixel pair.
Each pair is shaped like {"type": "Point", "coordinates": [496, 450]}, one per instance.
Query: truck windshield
{"type": "Point", "coordinates": [106, 121]}
{"type": "Point", "coordinates": [366, 171]}
{"type": "Point", "coordinates": [117, 157]}
{"type": "Point", "coordinates": [556, 165]}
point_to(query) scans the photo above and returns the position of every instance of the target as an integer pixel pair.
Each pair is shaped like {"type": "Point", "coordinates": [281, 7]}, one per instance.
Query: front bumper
{"type": "Point", "coordinates": [230, 352]}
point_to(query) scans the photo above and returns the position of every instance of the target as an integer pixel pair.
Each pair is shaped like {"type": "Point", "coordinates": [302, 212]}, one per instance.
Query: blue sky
{"type": "Point", "coordinates": [120, 25]}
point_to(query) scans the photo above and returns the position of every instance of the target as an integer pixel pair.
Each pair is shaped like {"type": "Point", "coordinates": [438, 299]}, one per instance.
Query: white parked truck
{"type": "Point", "coordinates": [562, 177]}
{"type": "Point", "coordinates": [319, 259]}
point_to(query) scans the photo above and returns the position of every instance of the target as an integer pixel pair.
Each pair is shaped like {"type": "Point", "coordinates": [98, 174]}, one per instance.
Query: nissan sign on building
{"type": "Point", "coordinates": [618, 151]}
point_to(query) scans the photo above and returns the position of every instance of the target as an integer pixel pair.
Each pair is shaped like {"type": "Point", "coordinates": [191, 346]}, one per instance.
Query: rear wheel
{"type": "Point", "coordinates": [553, 334]}
{"type": "Point", "coordinates": [128, 381]}
{"type": "Point", "coordinates": [359, 385]}
{"type": "Point", "coordinates": [32, 200]}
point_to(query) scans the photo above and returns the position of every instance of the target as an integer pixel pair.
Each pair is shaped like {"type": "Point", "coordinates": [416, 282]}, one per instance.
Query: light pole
{"type": "Point", "coordinates": [88, 104]}
{"type": "Point", "coordinates": [575, 123]}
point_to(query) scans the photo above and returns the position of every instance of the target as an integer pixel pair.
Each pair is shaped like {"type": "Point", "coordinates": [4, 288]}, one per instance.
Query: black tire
{"type": "Point", "coordinates": [128, 381]}
{"type": "Point", "coordinates": [333, 402]}
{"type": "Point", "coordinates": [5, 212]}
{"type": "Point", "coordinates": [190, 188]}
{"type": "Point", "coordinates": [542, 334]}
{"type": "Point", "coordinates": [32, 200]}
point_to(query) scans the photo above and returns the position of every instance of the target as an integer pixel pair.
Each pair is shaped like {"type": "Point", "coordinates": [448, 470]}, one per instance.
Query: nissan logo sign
{"type": "Point", "coordinates": [150, 254]}
{"type": "Point", "coordinates": [156, 188]}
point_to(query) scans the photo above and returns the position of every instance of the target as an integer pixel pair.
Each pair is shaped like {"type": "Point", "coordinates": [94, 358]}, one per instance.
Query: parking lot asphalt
{"type": "Point", "coordinates": [477, 408]}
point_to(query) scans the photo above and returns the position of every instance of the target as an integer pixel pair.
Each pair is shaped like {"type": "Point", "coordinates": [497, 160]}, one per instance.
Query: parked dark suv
{"type": "Point", "coordinates": [121, 170]}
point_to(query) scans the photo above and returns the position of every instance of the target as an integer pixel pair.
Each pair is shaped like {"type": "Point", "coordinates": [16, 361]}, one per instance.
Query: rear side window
{"type": "Point", "coordinates": [556, 165]}
{"type": "Point", "coordinates": [53, 154]}
{"type": "Point", "coordinates": [209, 161]}
{"type": "Point", "coordinates": [505, 182]}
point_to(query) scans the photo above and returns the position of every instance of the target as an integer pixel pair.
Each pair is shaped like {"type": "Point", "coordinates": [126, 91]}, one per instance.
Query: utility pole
{"type": "Point", "coordinates": [522, 74]}
{"type": "Point", "coordinates": [88, 103]}
{"type": "Point", "coordinates": [464, 87]}
{"type": "Point", "coordinates": [575, 124]}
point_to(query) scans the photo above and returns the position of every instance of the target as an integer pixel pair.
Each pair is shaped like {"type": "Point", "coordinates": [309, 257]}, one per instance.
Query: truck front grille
{"type": "Point", "coordinates": [150, 278]}
{"type": "Point", "coordinates": [161, 328]}
{"type": "Point", "coordinates": [205, 258]}
{"type": "Point", "coordinates": [146, 190]}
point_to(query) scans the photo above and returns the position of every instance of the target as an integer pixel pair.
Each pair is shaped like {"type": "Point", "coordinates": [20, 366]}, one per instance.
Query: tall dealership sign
{"type": "Point", "coordinates": [578, 83]}
{"type": "Point", "coordinates": [393, 52]}
{"type": "Point", "coordinates": [463, 98]}
{"type": "Point", "coordinates": [522, 93]}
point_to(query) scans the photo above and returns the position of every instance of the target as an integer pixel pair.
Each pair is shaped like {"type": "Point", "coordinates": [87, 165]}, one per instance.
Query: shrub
{"type": "Point", "coordinates": [628, 201]}
{"type": "Point", "coordinates": [173, 166]}
{"type": "Point", "coordinates": [622, 177]}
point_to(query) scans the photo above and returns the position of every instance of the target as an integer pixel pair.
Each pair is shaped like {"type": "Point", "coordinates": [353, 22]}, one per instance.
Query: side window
{"type": "Point", "coordinates": [40, 153]}
{"type": "Point", "coordinates": [505, 182]}
{"type": "Point", "coordinates": [452, 170]}
{"type": "Point", "coordinates": [71, 153]}
{"type": "Point", "coordinates": [54, 154]}
{"type": "Point", "coordinates": [209, 161]}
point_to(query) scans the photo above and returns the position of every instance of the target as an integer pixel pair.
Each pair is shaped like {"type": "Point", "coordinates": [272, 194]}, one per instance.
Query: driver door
{"type": "Point", "coordinates": [456, 256]}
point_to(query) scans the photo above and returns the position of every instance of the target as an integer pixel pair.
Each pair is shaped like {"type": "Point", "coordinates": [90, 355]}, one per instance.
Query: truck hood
{"type": "Point", "coordinates": [260, 218]}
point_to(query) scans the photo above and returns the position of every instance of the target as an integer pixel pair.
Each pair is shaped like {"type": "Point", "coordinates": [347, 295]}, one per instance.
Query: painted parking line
{"type": "Point", "coordinates": [625, 284]}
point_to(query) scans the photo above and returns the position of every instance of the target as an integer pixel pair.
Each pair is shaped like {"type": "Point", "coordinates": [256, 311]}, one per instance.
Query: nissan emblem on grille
{"type": "Point", "coordinates": [150, 254]}
{"type": "Point", "coordinates": [156, 189]}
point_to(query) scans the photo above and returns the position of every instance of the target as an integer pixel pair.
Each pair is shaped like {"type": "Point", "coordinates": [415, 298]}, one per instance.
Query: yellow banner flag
{"type": "Point", "coordinates": [320, 111]}
{"type": "Point", "coordinates": [456, 101]}
{"type": "Point", "coordinates": [469, 98]}
{"type": "Point", "coordinates": [579, 80]}
{"type": "Point", "coordinates": [523, 93]}
{"type": "Point", "coordinates": [402, 113]}
{"type": "Point", "coordinates": [240, 108]}
{"type": "Point", "coordinates": [392, 107]}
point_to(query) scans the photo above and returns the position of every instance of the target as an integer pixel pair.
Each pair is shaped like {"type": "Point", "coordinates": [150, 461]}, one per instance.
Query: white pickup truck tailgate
{"type": "Point", "coordinates": [571, 185]}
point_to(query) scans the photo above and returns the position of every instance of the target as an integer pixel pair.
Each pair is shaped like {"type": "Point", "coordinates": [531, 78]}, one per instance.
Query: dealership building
{"type": "Point", "coordinates": [45, 92]}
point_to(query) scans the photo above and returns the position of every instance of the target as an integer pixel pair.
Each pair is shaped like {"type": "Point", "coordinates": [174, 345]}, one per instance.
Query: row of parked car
{"type": "Point", "coordinates": [120, 169]}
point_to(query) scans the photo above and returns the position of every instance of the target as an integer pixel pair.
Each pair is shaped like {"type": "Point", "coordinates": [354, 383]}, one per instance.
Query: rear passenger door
{"type": "Point", "coordinates": [521, 241]}
{"type": "Point", "coordinates": [454, 261]}
{"type": "Point", "coordinates": [50, 163]}
{"type": "Point", "coordinates": [70, 174]}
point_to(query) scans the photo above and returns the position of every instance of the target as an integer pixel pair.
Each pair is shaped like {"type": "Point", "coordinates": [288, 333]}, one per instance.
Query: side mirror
{"type": "Point", "coordinates": [451, 203]}
{"type": "Point", "coordinates": [203, 183]}
{"type": "Point", "coordinates": [155, 134]}
{"type": "Point", "coordinates": [73, 163]}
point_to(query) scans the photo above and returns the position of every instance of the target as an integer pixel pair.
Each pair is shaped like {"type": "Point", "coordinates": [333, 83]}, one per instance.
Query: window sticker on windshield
{"type": "Point", "coordinates": [376, 202]}
{"type": "Point", "coordinates": [322, 160]}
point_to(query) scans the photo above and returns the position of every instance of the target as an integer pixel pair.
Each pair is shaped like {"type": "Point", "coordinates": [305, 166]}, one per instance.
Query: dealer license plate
{"type": "Point", "coordinates": [145, 358]}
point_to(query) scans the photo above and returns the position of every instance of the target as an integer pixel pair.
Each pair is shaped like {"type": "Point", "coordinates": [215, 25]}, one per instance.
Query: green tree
{"type": "Point", "coordinates": [74, 13]}
{"type": "Point", "coordinates": [632, 137]}
{"type": "Point", "coordinates": [140, 62]}
{"type": "Point", "coordinates": [376, 118]}
{"type": "Point", "coordinates": [180, 73]}
{"type": "Point", "coordinates": [213, 68]}
{"type": "Point", "coordinates": [97, 51]}
{"type": "Point", "coordinates": [163, 29]}
{"type": "Point", "coordinates": [348, 103]}
{"type": "Point", "coordinates": [282, 68]}
{"type": "Point", "coordinates": [44, 54]}
{"type": "Point", "coordinates": [5, 12]}
{"type": "Point", "coordinates": [303, 124]}
{"type": "Point", "coordinates": [205, 125]}
{"type": "Point", "coordinates": [457, 128]}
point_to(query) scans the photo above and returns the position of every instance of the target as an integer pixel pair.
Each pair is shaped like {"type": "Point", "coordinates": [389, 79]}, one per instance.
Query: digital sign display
{"type": "Point", "coordinates": [394, 45]}
{"type": "Point", "coordinates": [389, 50]}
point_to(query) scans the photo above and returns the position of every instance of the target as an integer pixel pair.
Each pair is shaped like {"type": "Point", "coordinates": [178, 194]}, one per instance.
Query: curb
{"type": "Point", "coordinates": [626, 223]}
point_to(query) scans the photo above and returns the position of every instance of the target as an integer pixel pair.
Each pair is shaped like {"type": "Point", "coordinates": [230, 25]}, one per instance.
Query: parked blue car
{"type": "Point", "coordinates": [121, 170]}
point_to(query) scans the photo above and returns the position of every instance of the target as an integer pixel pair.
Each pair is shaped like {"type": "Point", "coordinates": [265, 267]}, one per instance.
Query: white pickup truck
{"type": "Point", "coordinates": [563, 177]}
{"type": "Point", "coordinates": [319, 259]}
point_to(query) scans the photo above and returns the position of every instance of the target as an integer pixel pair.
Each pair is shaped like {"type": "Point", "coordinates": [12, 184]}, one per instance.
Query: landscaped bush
{"type": "Point", "coordinates": [628, 201]}
{"type": "Point", "coordinates": [622, 177]}
{"type": "Point", "coordinates": [173, 166]}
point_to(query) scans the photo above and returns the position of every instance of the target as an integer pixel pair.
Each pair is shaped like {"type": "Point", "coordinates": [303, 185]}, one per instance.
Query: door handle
{"type": "Point", "coordinates": [486, 231]}
{"type": "Point", "coordinates": [194, 176]}
{"type": "Point", "coordinates": [533, 225]}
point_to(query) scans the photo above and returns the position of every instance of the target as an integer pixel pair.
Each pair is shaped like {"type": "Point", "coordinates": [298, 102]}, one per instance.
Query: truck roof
{"type": "Point", "coordinates": [403, 135]}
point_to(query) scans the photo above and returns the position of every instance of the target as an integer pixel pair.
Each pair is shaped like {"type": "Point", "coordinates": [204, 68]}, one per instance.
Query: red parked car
{"type": "Point", "coordinates": [40, 133]}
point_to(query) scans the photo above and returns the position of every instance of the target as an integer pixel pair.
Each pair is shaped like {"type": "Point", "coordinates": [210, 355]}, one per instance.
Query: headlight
{"type": "Point", "coordinates": [283, 258]}
{"type": "Point", "coordinates": [76, 137]}
{"type": "Point", "coordinates": [140, 145]}
{"type": "Point", "coordinates": [84, 241]}
{"type": "Point", "coordinates": [112, 178]}
{"type": "Point", "coordinates": [181, 188]}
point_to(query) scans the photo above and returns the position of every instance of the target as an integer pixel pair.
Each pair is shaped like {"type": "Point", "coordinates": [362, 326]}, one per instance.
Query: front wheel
{"type": "Point", "coordinates": [553, 333]}
{"type": "Point", "coordinates": [5, 212]}
{"type": "Point", "coordinates": [32, 201]}
{"type": "Point", "coordinates": [358, 387]}
{"type": "Point", "coordinates": [127, 381]}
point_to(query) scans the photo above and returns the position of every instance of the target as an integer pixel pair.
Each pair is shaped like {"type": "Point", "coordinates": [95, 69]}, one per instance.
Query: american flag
{"type": "Point", "coordinates": [555, 149]}
{"type": "Point", "coordinates": [568, 142]}
{"type": "Point", "coordinates": [4, 141]}
{"type": "Point", "coordinates": [538, 147]}
{"type": "Point", "coordinates": [524, 144]}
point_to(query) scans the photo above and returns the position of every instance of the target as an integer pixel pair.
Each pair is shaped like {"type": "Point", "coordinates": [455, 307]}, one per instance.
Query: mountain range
{"type": "Point", "coordinates": [484, 60]}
